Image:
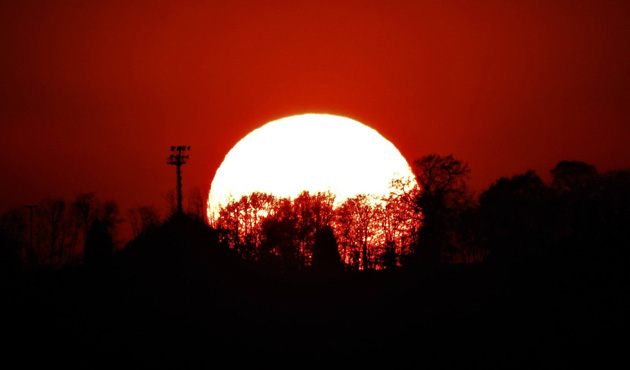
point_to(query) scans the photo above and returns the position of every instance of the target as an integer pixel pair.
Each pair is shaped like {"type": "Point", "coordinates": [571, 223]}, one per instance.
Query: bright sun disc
{"type": "Point", "coordinates": [312, 152]}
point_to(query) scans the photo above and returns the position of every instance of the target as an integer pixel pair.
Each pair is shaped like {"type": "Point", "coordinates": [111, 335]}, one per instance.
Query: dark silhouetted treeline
{"type": "Point", "coordinates": [59, 228]}
{"type": "Point", "coordinates": [281, 233]}
{"type": "Point", "coordinates": [581, 217]}
{"type": "Point", "coordinates": [517, 219]}
{"type": "Point", "coordinates": [527, 274]}
{"type": "Point", "coordinates": [581, 214]}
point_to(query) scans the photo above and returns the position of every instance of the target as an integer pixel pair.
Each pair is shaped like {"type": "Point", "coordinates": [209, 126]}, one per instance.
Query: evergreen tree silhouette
{"type": "Point", "coordinates": [326, 258]}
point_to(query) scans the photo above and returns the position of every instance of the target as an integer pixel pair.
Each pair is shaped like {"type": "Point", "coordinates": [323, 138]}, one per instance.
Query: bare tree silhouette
{"type": "Point", "coordinates": [516, 217]}
{"type": "Point", "coordinates": [85, 210]}
{"type": "Point", "coordinates": [196, 203]}
{"type": "Point", "coordinates": [356, 224]}
{"type": "Point", "coordinates": [574, 176]}
{"type": "Point", "coordinates": [143, 219]}
{"type": "Point", "coordinates": [54, 231]}
{"type": "Point", "coordinates": [443, 197]}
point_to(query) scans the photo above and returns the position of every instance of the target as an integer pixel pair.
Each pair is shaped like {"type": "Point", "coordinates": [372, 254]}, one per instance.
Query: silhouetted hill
{"type": "Point", "coordinates": [180, 243]}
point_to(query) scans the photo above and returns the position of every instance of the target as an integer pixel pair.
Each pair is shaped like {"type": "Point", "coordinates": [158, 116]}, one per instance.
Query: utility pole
{"type": "Point", "coordinates": [31, 207]}
{"type": "Point", "coordinates": [178, 159]}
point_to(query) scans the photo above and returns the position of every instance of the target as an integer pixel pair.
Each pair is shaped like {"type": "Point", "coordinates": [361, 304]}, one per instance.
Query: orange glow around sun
{"type": "Point", "coordinates": [309, 152]}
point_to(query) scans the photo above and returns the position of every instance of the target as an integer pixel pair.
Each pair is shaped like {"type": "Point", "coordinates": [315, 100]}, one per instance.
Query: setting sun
{"type": "Point", "coordinates": [309, 152]}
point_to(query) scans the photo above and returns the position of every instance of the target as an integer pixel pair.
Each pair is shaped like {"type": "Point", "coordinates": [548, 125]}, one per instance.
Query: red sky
{"type": "Point", "coordinates": [94, 93]}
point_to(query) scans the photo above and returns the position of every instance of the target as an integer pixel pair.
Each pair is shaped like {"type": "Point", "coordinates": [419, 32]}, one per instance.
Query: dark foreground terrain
{"type": "Point", "coordinates": [169, 300]}
{"type": "Point", "coordinates": [448, 317]}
